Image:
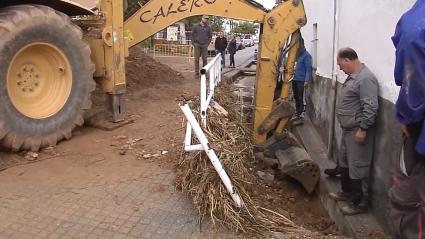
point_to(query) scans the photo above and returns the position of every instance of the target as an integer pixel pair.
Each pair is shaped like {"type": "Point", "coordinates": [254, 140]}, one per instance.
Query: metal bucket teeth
{"type": "Point", "coordinates": [296, 163]}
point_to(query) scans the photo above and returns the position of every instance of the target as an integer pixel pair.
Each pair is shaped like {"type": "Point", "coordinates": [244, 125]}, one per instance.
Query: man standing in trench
{"type": "Point", "coordinates": [302, 76]}
{"type": "Point", "coordinates": [407, 193]}
{"type": "Point", "coordinates": [357, 110]}
{"type": "Point", "coordinates": [201, 38]}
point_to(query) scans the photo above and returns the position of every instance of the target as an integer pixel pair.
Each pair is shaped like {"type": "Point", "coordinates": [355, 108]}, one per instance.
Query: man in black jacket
{"type": "Point", "coordinates": [220, 47]}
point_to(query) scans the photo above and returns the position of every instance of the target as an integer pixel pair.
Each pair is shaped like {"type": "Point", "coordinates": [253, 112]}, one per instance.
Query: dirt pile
{"type": "Point", "coordinates": [147, 80]}
{"type": "Point", "coordinates": [144, 72]}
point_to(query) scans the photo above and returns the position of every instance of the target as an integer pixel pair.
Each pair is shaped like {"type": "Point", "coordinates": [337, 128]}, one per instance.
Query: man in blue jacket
{"type": "Point", "coordinates": [407, 193]}
{"type": "Point", "coordinates": [301, 78]}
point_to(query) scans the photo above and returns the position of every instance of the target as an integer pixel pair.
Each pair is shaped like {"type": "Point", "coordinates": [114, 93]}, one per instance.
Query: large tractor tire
{"type": "Point", "coordinates": [46, 77]}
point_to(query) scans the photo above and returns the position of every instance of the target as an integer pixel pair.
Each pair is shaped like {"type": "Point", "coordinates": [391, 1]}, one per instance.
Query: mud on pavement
{"type": "Point", "coordinates": [119, 183]}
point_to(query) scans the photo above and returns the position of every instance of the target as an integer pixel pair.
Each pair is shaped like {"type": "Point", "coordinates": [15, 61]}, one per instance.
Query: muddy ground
{"type": "Point", "coordinates": [155, 87]}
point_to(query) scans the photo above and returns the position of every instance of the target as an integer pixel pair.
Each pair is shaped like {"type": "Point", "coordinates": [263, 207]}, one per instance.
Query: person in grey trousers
{"type": "Point", "coordinates": [201, 38]}
{"type": "Point", "coordinates": [407, 192]}
{"type": "Point", "coordinates": [357, 110]}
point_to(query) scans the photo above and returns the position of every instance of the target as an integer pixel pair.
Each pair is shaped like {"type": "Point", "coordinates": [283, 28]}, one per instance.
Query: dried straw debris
{"type": "Point", "coordinates": [231, 140]}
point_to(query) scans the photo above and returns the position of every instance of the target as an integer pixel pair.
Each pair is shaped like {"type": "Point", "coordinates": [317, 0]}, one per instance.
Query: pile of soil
{"type": "Point", "coordinates": [146, 78]}
{"type": "Point", "coordinates": [144, 72]}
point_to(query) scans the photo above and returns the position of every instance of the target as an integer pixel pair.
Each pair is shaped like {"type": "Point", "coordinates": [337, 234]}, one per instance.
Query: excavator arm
{"type": "Point", "coordinates": [157, 15]}
{"type": "Point", "coordinates": [279, 27]}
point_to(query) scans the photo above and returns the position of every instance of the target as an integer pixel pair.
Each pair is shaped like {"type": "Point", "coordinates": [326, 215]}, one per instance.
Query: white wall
{"type": "Point", "coordinates": [364, 25]}
{"type": "Point", "coordinates": [320, 12]}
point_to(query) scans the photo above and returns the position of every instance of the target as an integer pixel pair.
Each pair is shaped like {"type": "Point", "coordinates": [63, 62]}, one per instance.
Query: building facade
{"type": "Point", "coordinates": [367, 27]}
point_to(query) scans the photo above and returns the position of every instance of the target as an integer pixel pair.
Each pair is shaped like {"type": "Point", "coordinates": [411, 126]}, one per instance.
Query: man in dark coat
{"type": "Point", "coordinates": [232, 48]}
{"type": "Point", "coordinates": [220, 47]}
{"type": "Point", "coordinates": [201, 38]}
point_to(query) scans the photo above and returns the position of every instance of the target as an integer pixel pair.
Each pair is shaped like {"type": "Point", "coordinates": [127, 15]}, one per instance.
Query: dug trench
{"type": "Point", "coordinates": [153, 140]}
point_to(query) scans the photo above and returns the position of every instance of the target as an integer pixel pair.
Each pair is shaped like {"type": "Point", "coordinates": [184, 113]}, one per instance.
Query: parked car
{"type": "Point", "coordinates": [239, 43]}
{"type": "Point", "coordinates": [248, 41]}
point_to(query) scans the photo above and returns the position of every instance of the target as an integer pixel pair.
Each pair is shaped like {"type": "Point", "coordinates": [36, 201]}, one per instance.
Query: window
{"type": "Point", "coordinates": [314, 45]}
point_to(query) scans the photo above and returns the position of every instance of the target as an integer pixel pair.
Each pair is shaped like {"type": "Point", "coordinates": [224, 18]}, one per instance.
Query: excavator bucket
{"type": "Point", "coordinates": [291, 160]}
{"type": "Point", "coordinates": [282, 110]}
{"type": "Point", "coordinates": [296, 163]}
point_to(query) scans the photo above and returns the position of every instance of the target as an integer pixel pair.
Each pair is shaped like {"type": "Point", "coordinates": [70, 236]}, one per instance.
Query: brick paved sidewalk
{"type": "Point", "coordinates": [140, 204]}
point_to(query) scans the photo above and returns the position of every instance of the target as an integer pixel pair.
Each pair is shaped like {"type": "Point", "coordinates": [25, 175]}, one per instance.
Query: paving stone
{"type": "Point", "coordinates": [92, 236]}
{"type": "Point", "coordinates": [118, 235]}
{"type": "Point", "coordinates": [53, 236]}
{"type": "Point", "coordinates": [107, 234]}
{"type": "Point", "coordinates": [98, 231]}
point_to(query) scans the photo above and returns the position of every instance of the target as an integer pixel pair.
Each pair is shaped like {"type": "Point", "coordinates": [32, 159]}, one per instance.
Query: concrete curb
{"type": "Point", "coordinates": [358, 226]}
{"type": "Point", "coordinates": [234, 73]}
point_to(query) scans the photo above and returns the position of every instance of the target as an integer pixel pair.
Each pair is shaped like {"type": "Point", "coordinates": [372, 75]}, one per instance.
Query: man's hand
{"type": "Point", "coordinates": [305, 84]}
{"type": "Point", "coordinates": [404, 130]}
{"type": "Point", "coordinates": [360, 136]}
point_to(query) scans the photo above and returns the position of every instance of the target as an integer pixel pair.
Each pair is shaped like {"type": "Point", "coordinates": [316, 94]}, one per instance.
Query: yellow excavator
{"type": "Point", "coordinates": [54, 52]}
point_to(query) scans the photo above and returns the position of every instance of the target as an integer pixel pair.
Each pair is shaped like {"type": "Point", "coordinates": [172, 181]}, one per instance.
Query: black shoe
{"type": "Point", "coordinates": [333, 172]}
{"type": "Point", "coordinates": [364, 202]}
{"type": "Point", "coordinates": [298, 121]}
{"type": "Point", "coordinates": [295, 117]}
{"type": "Point", "coordinates": [341, 196]}
{"type": "Point", "coordinates": [353, 209]}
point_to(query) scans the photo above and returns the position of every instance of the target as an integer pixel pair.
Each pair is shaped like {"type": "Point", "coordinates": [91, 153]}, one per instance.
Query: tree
{"type": "Point", "coordinates": [190, 21]}
{"type": "Point", "coordinates": [216, 24]}
{"type": "Point", "coordinates": [129, 5]}
{"type": "Point", "coordinates": [245, 28]}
